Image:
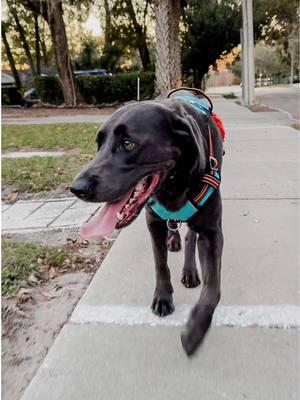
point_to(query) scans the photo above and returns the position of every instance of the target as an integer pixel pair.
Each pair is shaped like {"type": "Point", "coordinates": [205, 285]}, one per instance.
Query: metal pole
{"type": "Point", "coordinates": [138, 89]}
{"type": "Point", "coordinates": [248, 53]}
{"type": "Point", "coordinates": [242, 65]}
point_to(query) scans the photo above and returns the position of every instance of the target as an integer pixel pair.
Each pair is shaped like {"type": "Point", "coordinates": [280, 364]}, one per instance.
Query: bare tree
{"type": "Point", "coordinates": [10, 56]}
{"type": "Point", "coordinates": [168, 55]}
{"type": "Point", "coordinates": [13, 10]}
{"type": "Point", "coordinates": [52, 12]}
{"type": "Point", "coordinates": [37, 44]}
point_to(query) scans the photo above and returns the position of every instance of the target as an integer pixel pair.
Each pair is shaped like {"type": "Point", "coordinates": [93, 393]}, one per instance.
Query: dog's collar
{"type": "Point", "coordinates": [209, 183]}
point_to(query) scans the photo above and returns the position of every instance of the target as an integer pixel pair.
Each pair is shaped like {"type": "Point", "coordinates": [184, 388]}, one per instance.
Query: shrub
{"type": "Point", "coordinates": [99, 89]}
{"type": "Point", "coordinates": [49, 89]}
{"type": "Point", "coordinates": [11, 96]}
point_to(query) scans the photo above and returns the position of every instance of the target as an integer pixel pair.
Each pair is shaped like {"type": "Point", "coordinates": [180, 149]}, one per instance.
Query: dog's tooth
{"type": "Point", "coordinates": [131, 201]}
{"type": "Point", "coordinates": [120, 216]}
{"type": "Point", "coordinates": [135, 194]}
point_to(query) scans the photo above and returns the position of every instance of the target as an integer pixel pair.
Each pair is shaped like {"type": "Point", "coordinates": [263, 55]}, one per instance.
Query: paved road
{"type": "Point", "coordinates": [113, 348]}
{"type": "Point", "coordinates": [289, 101]}
{"type": "Point", "coordinates": [286, 98]}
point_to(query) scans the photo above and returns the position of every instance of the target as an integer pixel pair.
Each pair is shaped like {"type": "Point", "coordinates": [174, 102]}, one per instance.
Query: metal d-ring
{"type": "Point", "coordinates": [178, 225]}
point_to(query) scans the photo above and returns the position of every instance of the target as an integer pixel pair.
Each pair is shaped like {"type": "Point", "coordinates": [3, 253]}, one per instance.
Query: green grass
{"type": "Point", "coordinates": [50, 137]}
{"type": "Point", "coordinates": [229, 96]}
{"type": "Point", "coordinates": [38, 174]}
{"type": "Point", "coordinates": [20, 260]}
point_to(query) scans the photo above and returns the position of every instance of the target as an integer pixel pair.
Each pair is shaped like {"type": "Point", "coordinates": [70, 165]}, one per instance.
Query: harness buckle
{"type": "Point", "coordinates": [171, 223]}
{"type": "Point", "coordinates": [213, 162]}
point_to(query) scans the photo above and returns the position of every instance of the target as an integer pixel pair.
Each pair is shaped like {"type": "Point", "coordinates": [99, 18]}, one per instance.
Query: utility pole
{"type": "Point", "coordinates": [248, 77]}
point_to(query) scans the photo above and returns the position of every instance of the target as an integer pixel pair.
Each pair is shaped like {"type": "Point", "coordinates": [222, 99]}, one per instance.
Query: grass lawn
{"type": "Point", "coordinates": [40, 174]}
{"type": "Point", "coordinates": [50, 137]}
{"type": "Point", "coordinates": [20, 260]}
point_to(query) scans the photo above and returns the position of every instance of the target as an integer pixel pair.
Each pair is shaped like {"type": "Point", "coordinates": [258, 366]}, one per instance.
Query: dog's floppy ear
{"type": "Point", "coordinates": [188, 132]}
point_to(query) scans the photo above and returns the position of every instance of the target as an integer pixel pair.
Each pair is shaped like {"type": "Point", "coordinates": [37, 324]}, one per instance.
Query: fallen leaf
{"type": "Point", "coordinates": [33, 279]}
{"type": "Point", "coordinates": [71, 240]}
{"type": "Point", "coordinates": [48, 295]}
{"type": "Point", "coordinates": [52, 273]}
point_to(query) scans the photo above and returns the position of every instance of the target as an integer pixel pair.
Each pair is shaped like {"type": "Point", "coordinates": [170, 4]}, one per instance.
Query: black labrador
{"type": "Point", "coordinates": [160, 149]}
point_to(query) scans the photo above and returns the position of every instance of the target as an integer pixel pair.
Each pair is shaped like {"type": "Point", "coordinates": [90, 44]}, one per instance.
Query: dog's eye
{"type": "Point", "coordinates": [127, 144]}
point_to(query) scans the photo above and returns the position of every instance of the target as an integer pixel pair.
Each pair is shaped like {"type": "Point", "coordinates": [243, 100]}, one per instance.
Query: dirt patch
{"type": "Point", "coordinates": [33, 317]}
{"type": "Point", "coordinates": [10, 194]}
{"type": "Point", "coordinates": [37, 112]}
{"type": "Point", "coordinates": [261, 108]}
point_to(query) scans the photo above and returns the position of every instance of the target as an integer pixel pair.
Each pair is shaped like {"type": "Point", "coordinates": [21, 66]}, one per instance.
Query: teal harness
{"type": "Point", "coordinates": [209, 183]}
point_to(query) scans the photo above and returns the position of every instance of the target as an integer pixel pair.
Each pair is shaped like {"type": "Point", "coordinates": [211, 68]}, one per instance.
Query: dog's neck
{"type": "Point", "coordinates": [180, 182]}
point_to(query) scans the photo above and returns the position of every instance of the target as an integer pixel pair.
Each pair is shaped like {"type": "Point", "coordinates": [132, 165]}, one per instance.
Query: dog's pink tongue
{"type": "Point", "coordinates": [103, 223]}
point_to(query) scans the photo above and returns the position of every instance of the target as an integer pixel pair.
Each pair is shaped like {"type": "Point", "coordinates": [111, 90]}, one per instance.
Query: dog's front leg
{"type": "Point", "coordinates": [163, 300]}
{"type": "Point", "coordinates": [210, 246]}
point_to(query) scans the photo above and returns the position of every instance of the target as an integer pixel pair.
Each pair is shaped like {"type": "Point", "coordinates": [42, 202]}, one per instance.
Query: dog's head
{"type": "Point", "coordinates": [144, 149]}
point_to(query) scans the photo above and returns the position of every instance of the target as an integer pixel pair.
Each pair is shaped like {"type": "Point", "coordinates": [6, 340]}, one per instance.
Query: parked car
{"type": "Point", "coordinates": [92, 72]}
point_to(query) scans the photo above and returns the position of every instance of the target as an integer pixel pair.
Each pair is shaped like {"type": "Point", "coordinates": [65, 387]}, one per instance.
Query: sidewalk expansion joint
{"type": "Point", "coordinates": [58, 215]}
{"type": "Point", "coordinates": [281, 316]}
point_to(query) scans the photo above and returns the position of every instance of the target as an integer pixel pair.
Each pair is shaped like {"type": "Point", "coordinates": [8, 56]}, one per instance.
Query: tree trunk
{"type": "Point", "coordinates": [60, 46]}
{"type": "Point", "coordinates": [37, 44]}
{"type": "Point", "coordinates": [105, 59]}
{"type": "Point", "coordinates": [23, 39]}
{"type": "Point", "coordinates": [52, 12]}
{"type": "Point", "coordinates": [168, 66]}
{"type": "Point", "coordinates": [11, 59]}
{"type": "Point", "coordinates": [198, 80]}
{"type": "Point", "coordinates": [140, 37]}
{"type": "Point", "coordinates": [292, 55]}
{"type": "Point", "coordinates": [43, 45]}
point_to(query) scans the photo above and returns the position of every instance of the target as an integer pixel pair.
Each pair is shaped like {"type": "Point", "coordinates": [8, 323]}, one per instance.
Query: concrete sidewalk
{"type": "Point", "coordinates": [42, 215]}
{"type": "Point", "coordinates": [58, 119]}
{"type": "Point", "coordinates": [112, 348]}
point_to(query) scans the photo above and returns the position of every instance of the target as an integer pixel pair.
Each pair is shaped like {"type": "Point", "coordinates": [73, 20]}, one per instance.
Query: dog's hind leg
{"type": "Point", "coordinates": [174, 240]}
{"type": "Point", "coordinates": [162, 300]}
{"type": "Point", "coordinates": [210, 245]}
{"type": "Point", "coordinates": [190, 277]}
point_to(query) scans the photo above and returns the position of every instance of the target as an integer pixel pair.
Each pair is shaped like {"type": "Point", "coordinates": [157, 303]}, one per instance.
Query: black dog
{"type": "Point", "coordinates": [161, 149]}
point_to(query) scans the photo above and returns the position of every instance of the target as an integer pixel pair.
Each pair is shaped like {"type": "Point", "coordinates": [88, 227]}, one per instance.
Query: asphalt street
{"type": "Point", "coordinates": [289, 101]}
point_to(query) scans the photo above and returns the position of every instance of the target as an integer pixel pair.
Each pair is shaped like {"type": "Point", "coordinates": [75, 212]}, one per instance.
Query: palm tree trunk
{"type": "Point", "coordinates": [168, 66]}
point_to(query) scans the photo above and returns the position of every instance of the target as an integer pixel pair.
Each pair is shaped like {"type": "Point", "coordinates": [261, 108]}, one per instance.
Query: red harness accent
{"type": "Point", "coordinates": [220, 125]}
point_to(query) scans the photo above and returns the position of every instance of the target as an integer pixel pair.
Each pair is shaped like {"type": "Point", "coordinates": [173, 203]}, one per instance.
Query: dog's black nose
{"type": "Point", "coordinates": [80, 187]}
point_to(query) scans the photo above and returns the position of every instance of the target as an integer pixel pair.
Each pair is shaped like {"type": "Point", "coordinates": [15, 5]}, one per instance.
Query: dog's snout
{"type": "Point", "coordinates": [80, 187]}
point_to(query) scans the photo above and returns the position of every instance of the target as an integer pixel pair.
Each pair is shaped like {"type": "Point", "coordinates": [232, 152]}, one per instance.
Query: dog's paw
{"type": "Point", "coordinates": [190, 278]}
{"type": "Point", "coordinates": [174, 242]}
{"type": "Point", "coordinates": [162, 305]}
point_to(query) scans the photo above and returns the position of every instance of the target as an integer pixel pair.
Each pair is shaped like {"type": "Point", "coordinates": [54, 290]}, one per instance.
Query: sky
{"type": "Point", "coordinates": [93, 25]}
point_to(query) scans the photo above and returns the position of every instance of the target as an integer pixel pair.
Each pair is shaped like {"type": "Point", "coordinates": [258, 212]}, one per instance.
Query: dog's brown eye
{"type": "Point", "coordinates": [128, 144]}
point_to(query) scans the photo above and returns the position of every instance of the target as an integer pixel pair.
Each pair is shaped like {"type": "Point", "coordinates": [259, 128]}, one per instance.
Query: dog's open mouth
{"type": "Point", "coordinates": [120, 213]}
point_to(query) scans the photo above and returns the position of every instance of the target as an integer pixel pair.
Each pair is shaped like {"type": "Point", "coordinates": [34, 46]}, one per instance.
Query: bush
{"type": "Point", "coordinates": [99, 89]}
{"type": "Point", "coordinates": [48, 89]}
{"type": "Point", "coordinates": [11, 96]}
